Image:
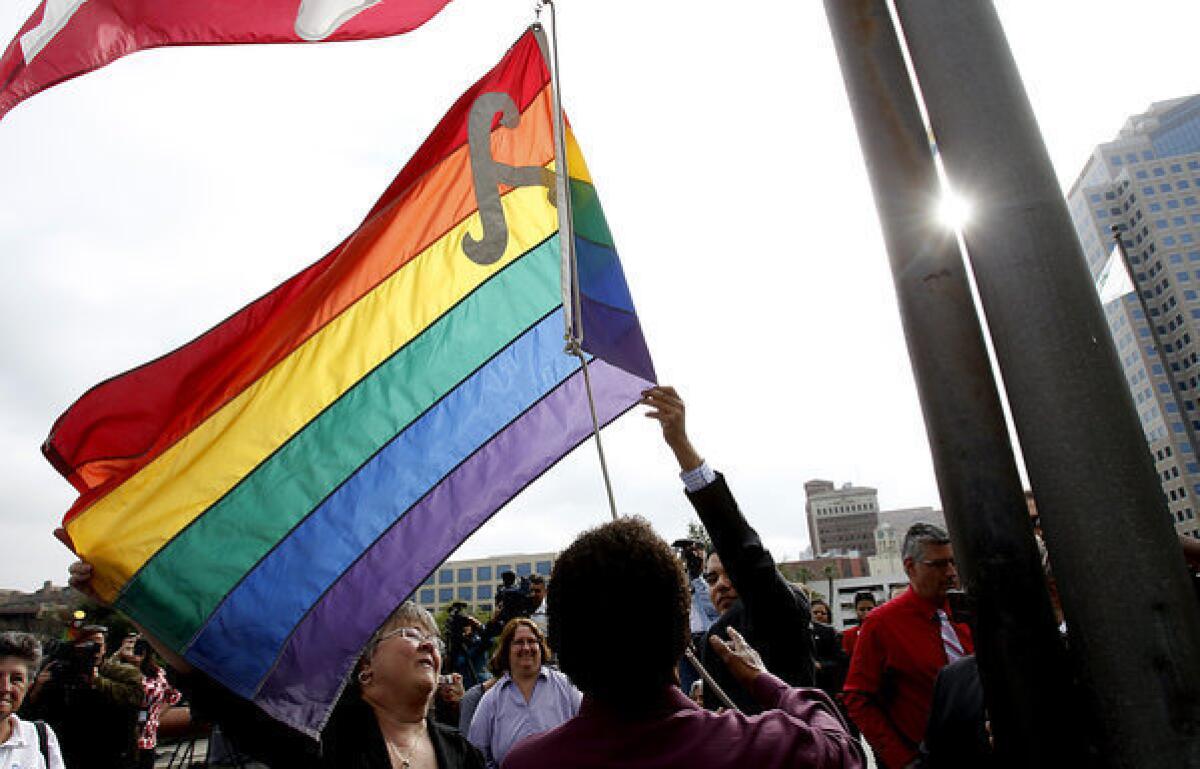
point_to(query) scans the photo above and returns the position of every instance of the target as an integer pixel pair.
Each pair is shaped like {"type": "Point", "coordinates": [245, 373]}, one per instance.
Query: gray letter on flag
{"type": "Point", "coordinates": [487, 175]}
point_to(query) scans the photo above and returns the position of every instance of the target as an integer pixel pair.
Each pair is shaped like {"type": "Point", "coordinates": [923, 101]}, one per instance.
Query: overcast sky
{"type": "Point", "coordinates": [143, 203]}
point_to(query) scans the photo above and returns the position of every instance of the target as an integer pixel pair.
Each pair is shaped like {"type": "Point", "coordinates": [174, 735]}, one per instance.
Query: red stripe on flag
{"type": "Point", "coordinates": [122, 424]}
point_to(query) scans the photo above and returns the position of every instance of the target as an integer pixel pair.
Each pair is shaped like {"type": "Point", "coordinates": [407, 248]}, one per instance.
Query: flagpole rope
{"type": "Point", "coordinates": [575, 349]}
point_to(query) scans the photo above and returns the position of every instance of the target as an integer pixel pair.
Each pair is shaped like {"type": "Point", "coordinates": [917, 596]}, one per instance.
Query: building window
{"type": "Point", "coordinates": [465, 575]}
{"type": "Point", "coordinates": [465, 594]}
{"type": "Point", "coordinates": [543, 568]}
{"type": "Point", "coordinates": [445, 594]}
{"type": "Point", "coordinates": [524, 570]}
{"type": "Point", "coordinates": [484, 592]}
{"type": "Point", "coordinates": [483, 574]}
{"type": "Point", "coordinates": [445, 576]}
{"type": "Point", "coordinates": [427, 596]}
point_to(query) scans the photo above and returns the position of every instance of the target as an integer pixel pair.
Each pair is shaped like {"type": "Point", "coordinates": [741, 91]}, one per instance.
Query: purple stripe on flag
{"type": "Point", "coordinates": [323, 648]}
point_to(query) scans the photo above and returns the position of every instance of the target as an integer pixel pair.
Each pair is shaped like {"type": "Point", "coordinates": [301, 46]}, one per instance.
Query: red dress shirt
{"type": "Point", "coordinates": [889, 688]}
{"type": "Point", "coordinates": [804, 730]}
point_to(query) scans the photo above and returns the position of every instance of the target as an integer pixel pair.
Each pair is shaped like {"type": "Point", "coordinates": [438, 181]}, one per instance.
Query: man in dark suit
{"type": "Point", "coordinates": [751, 594]}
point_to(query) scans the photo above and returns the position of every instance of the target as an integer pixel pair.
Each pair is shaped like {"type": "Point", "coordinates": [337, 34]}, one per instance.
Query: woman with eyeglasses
{"type": "Point", "coordinates": [529, 698]}
{"type": "Point", "coordinates": [382, 721]}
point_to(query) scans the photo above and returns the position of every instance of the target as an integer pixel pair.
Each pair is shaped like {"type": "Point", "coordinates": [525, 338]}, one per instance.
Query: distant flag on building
{"type": "Point", "coordinates": [1113, 282]}
{"type": "Point", "coordinates": [66, 38]}
{"type": "Point", "coordinates": [264, 496]}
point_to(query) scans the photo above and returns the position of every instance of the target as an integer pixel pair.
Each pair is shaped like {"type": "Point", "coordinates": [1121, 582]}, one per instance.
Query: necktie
{"type": "Point", "coordinates": [950, 641]}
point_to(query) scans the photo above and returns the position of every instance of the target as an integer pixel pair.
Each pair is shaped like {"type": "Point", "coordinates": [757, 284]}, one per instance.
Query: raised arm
{"type": "Point", "coordinates": [667, 408]}
{"type": "Point", "coordinates": [750, 566]}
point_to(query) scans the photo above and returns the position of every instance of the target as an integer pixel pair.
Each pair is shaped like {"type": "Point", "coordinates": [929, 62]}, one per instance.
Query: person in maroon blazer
{"type": "Point", "coordinates": [622, 654]}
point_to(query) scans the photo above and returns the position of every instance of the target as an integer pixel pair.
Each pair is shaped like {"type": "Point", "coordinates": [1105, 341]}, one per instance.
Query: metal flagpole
{"type": "Point", "coordinates": [570, 277]}
{"type": "Point", "coordinates": [566, 222]}
{"type": "Point", "coordinates": [1131, 614]}
{"type": "Point", "coordinates": [1021, 660]}
{"type": "Point", "coordinates": [566, 237]}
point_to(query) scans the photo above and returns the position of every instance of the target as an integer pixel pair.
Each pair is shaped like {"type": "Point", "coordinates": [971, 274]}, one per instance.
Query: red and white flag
{"type": "Point", "coordinates": [66, 38]}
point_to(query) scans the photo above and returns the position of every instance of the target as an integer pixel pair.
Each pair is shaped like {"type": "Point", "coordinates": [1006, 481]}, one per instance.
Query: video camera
{"type": "Point", "coordinates": [691, 552]}
{"type": "Point", "coordinates": [73, 663]}
{"type": "Point", "coordinates": [513, 597]}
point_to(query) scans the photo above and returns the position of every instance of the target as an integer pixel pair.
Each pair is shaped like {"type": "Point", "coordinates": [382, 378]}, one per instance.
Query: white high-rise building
{"type": "Point", "coordinates": [1146, 183]}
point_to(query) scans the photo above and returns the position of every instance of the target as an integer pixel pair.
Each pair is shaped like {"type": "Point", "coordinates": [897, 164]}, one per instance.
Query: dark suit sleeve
{"type": "Point", "coordinates": [776, 614]}
{"type": "Point", "coordinates": [249, 729]}
{"type": "Point", "coordinates": [956, 734]}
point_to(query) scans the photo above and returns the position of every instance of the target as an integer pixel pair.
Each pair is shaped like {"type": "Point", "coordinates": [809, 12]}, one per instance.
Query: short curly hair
{"type": "Point", "coordinates": [619, 570]}
{"type": "Point", "coordinates": [21, 646]}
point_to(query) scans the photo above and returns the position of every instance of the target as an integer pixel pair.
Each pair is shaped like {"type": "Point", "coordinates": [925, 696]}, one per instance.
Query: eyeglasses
{"type": "Point", "coordinates": [940, 563]}
{"type": "Point", "coordinates": [415, 637]}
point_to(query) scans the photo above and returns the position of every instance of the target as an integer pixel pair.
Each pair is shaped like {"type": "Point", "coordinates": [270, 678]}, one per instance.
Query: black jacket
{"type": "Point", "coordinates": [771, 614]}
{"type": "Point", "coordinates": [829, 654]}
{"type": "Point", "coordinates": [957, 733]}
{"type": "Point", "coordinates": [351, 739]}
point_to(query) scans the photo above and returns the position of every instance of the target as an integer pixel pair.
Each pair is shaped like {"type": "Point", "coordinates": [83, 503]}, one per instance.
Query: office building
{"type": "Point", "coordinates": [841, 520]}
{"type": "Point", "coordinates": [1146, 184]}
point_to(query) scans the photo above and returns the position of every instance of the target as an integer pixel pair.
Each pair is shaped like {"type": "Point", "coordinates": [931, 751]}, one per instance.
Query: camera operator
{"type": "Point", "coordinates": [702, 614]}
{"type": "Point", "coordinates": [751, 594]}
{"type": "Point", "coordinates": [467, 646]}
{"type": "Point", "coordinates": [513, 600]}
{"type": "Point", "coordinates": [91, 703]}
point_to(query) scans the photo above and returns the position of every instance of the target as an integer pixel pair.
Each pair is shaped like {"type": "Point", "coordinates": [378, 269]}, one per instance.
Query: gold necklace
{"type": "Point", "coordinates": [394, 750]}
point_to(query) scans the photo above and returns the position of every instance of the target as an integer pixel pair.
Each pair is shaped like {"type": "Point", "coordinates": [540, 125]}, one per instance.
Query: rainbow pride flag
{"type": "Point", "coordinates": [264, 496]}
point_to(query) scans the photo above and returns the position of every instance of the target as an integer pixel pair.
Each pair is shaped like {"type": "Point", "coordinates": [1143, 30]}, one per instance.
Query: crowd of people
{"type": "Point", "coordinates": [714, 660]}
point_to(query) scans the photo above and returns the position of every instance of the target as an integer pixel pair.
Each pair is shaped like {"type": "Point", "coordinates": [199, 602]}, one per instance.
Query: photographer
{"type": "Point", "coordinates": [751, 594]}
{"type": "Point", "coordinates": [92, 704]}
{"type": "Point", "coordinates": [702, 613]}
{"type": "Point", "coordinates": [514, 599]}
{"type": "Point", "coordinates": [467, 646]}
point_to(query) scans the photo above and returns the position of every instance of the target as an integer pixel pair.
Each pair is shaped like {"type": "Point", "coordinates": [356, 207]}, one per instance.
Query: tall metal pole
{"type": "Point", "coordinates": [1133, 622]}
{"type": "Point", "coordinates": [1021, 659]}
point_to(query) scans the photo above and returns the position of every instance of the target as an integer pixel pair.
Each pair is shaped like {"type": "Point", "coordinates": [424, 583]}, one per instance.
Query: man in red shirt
{"type": "Point", "coordinates": [901, 647]}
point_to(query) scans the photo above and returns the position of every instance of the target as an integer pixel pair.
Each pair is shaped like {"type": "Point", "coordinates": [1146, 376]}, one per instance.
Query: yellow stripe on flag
{"type": "Point", "coordinates": [121, 531]}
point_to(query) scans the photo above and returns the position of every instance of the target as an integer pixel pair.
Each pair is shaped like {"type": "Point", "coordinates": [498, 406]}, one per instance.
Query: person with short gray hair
{"type": "Point", "coordinates": [22, 743]}
{"type": "Point", "coordinates": [919, 536]}
{"type": "Point", "coordinates": [901, 647]}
